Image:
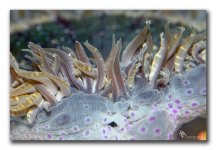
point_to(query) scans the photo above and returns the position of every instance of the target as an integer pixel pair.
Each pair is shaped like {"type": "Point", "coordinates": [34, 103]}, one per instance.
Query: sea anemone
{"type": "Point", "coordinates": [145, 94]}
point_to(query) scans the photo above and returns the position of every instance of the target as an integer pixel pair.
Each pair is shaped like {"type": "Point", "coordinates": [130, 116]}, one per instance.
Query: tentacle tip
{"type": "Point", "coordinates": [86, 43]}
{"type": "Point", "coordinates": [182, 28]}
{"type": "Point", "coordinates": [148, 22]}
{"type": "Point", "coordinates": [30, 42]}
{"type": "Point", "coordinates": [162, 35]}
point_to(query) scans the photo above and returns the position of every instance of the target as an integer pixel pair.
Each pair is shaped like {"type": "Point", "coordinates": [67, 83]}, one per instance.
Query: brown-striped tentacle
{"type": "Point", "coordinates": [196, 49]}
{"type": "Point", "coordinates": [100, 66]}
{"type": "Point", "coordinates": [46, 94]}
{"type": "Point", "coordinates": [157, 62]}
{"type": "Point", "coordinates": [56, 64]}
{"type": "Point", "coordinates": [85, 68]}
{"type": "Point", "coordinates": [34, 47]}
{"type": "Point", "coordinates": [32, 114]}
{"type": "Point", "coordinates": [39, 77]}
{"type": "Point", "coordinates": [182, 51]}
{"type": "Point", "coordinates": [117, 70]}
{"type": "Point", "coordinates": [15, 100]}
{"type": "Point", "coordinates": [83, 57]}
{"type": "Point", "coordinates": [173, 40]}
{"type": "Point", "coordinates": [69, 66]}
{"type": "Point", "coordinates": [25, 88]}
{"type": "Point", "coordinates": [132, 74]}
{"type": "Point", "coordinates": [44, 62]}
{"type": "Point", "coordinates": [31, 100]}
{"type": "Point", "coordinates": [107, 89]}
{"type": "Point", "coordinates": [64, 87]}
{"type": "Point", "coordinates": [132, 47]}
{"type": "Point", "coordinates": [165, 76]}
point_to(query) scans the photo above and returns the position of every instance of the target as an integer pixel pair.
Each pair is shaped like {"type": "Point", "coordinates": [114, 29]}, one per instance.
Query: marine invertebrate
{"type": "Point", "coordinates": [143, 96]}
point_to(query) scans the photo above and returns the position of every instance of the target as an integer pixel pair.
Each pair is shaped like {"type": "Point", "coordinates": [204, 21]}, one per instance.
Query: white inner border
{"type": "Point", "coordinates": [7, 5]}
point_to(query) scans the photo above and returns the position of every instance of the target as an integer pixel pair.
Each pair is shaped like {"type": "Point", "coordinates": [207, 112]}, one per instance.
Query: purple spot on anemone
{"type": "Point", "coordinates": [170, 136]}
{"type": "Point", "coordinates": [97, 126]}
{"type": "Point", "coordinates": [179, 107]}
{"type": "Point", "coordinates": [104, 131]}
{"type": "Point", "coordinates": [152, 118]}
{"type": "Point", "coordinates": [49, 136]}
{"type": "Point", "coordinates": [203, 91]}
{"type": "Point", "coordinates": [174, 111]}
{"type": "Point", "coordinates": [186, 82]}
{"type": "Point", "coordinates": [61, 138]}
{"type": "Point", "coordinates": [46, 127]}
{"type": "Point", "coordinates": [86, 106]}
{"type": "Point", "coordinates": [170, 105]}
{"type": "Point", "coordinates": [75, 129]}
{"type": "Point", "coordinates": [170, 96]}
{"type": "Point", "coordinates": [177, 101]}
{"type": "Point", "coordinates": [187, 112]}
{"type": "Point", "coordinates": [194, 104]}
{"type": "Point", "coordinates": [132, 114]}
{"type": "Point", "coordinates": [157, 130]}
{"type": "Point", "coordinates": [105, 120]}
{"type": "Point", "coordinates": [142, 129]}
{"type": "Point", "coordinates": [109, 128]}
{"type": "Point", "coordinates": [109, 113]}
{"type": "Point", "coordinates": [189, 91]}
{"type": "Point", "coordinates": [88, 120]}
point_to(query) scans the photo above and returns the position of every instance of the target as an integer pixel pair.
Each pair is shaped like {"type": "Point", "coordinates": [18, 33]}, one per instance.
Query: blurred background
{"type": "Point", "coordinates": [57, 28]}
{"type": "Point", "coordinates": [54, 28]}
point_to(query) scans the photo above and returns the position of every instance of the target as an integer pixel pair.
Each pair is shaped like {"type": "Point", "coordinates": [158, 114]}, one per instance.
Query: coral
{"type": "Point", "coordinates": [143, 95]}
